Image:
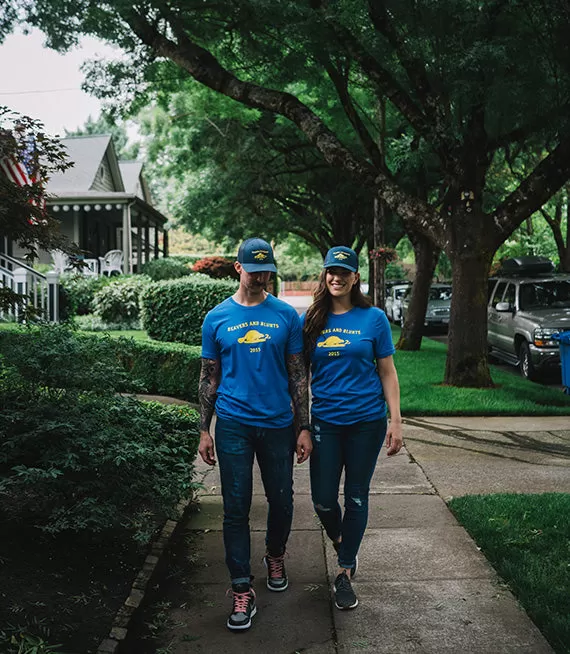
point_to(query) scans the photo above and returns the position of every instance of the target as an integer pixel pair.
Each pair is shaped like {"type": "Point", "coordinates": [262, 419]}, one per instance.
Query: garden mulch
{"type": "Point", "coordinates": [66, 589]}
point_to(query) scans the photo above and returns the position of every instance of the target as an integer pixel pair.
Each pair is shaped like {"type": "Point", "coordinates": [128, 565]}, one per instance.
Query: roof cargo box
{"type": "Point", "coordinates": [526, 266]}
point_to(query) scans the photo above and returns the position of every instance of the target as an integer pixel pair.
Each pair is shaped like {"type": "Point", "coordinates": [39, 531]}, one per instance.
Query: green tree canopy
{"type": "Point", "coordinates": [470, 79]}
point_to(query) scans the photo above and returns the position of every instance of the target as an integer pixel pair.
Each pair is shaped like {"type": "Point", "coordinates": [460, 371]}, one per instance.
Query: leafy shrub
{"type": "Point", "coordinates": [84, 461]}
{"type": "Point", "coordinates": [395, 271]}
{"type": "Point", "coordinates": [216, 267]}
{"type": "Point", "coordinates": [120, 300]}
{"type": "Point", "coordinates": [54, 356]}
{"type": "Point", "coordinates": [175, 310]}
{"type": "Point", "coordinates": [167, 268]}
{"type": "Point", "coordinates": [77, 293]}
{"type": "Point", "coordinates": [76, 455]}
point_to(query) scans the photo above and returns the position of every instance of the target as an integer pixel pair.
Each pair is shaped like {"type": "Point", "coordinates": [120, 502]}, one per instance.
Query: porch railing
{"type": "Point", "coordinates": [39, 291]}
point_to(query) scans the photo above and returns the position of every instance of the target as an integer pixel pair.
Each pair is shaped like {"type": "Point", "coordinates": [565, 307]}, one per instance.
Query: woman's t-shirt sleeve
{"type": "Point", "coordinates": [383, 346]}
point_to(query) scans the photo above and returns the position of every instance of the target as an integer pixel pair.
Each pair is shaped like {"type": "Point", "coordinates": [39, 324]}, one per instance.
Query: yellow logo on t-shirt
{"type": "Point", "coordinates": [333, 341]}
{"type": "Point", "coordinates": [253, 336]}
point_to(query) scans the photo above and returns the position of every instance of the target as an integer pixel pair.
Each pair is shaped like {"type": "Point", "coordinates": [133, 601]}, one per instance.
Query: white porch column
{"type": "Point", "coordinates": [127, 249]}
{"type": "Point", "coordinates": [52, 296]}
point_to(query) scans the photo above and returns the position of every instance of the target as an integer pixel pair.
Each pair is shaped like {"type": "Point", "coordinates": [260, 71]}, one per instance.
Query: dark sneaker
{"type": "Point", "coordinates": [344, 596]}
{"type": "Point", "coordinates": [354, 568]}
{"type": "Point", "coordinates": [276, 574]}
{"type": "Point", "coordinates": [243, 609]}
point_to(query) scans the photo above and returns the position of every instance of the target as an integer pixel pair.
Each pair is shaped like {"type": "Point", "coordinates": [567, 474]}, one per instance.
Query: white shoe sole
{"type": "Point", "coordinates": [243, 627]}
{"type": "Point", "coordinates": [346, 608]}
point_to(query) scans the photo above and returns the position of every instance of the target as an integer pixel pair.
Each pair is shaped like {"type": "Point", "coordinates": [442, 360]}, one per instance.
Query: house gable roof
{"type": "Point", "coordinates": [134, 181]}
{"type": "Point", "coordinates": [93, 157]}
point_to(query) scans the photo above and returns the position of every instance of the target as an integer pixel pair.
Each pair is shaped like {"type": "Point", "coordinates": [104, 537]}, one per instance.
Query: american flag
{"type": "Point", "coordinates": [15, 171]}
{"type": "Point", "coordinates": [22, 172]}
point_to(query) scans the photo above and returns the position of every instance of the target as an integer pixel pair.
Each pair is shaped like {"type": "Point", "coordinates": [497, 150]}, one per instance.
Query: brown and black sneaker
{"type": "Point", "coordinates": [276, 573]}
{"type": "Point", "coordinates": [244, 607]}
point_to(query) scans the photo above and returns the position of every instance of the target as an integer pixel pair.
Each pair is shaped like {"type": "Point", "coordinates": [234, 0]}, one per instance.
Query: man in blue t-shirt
{"type": "Point", "coordinates": [254, 378]}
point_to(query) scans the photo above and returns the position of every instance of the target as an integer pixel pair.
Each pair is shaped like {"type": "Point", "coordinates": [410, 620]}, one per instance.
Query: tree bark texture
{"type": "Point", "coordinates": [427, 254]}
{"type": "Point", "coordinates": [466, 363]}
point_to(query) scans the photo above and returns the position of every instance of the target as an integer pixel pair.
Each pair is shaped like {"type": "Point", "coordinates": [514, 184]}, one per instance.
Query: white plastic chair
{"type": "Point", "coordinates": [111, 262]}
{"type": "Point", "coordinates": [60, 261]}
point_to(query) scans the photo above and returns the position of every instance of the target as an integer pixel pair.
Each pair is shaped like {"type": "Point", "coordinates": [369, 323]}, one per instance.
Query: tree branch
{"type": "Point", "coordinates": [547, 178]}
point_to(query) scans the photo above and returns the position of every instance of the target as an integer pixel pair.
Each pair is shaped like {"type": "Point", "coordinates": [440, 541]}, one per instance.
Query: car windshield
{"type": "Point", "coordinates": [400, 292]}
{"type": "Point", "coordinates": [441, 293]}
{"type": "Point", "coordinates": [544, 295]}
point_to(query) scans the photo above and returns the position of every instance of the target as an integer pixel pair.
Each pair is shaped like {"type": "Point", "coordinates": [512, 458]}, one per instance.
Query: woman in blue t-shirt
{"type": "Point", "coordinates": [348, 344]}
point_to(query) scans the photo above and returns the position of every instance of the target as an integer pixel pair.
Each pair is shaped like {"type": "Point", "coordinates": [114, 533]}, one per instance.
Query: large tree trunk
{"type": "Point", "coordinates": [466, 363]}
{"type": "Point", "coordinates": [426, 254]}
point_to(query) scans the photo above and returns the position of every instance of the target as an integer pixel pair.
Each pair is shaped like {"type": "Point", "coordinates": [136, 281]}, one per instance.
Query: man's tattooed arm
{"type": "Point", "coordinates": [208, 388]}
{"type": "Point", "coordinates": [299, 387]}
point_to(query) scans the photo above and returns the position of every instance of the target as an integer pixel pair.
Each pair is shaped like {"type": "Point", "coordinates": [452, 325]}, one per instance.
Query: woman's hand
{"type": "Point", "coordinates": [394, 439]}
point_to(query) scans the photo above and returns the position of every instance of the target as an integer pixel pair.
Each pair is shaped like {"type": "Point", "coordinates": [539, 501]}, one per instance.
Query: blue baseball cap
{"type": "Point", "coordinates": [341, 257]}
{"type": "Point", "coordinates": [256, 255]}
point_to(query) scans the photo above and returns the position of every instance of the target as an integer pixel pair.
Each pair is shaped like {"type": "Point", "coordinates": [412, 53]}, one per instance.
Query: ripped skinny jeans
{"type": "Point", "coordinates": [354, 448]}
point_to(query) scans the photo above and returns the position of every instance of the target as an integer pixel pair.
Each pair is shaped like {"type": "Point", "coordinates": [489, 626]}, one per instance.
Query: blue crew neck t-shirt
{"type": "Point", "coordinates": [252, 345]}
{"type": "Point", "coordinates": [345, 383]}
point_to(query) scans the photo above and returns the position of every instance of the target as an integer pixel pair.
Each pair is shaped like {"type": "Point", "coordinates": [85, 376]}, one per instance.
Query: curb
{"type": "Point", "coordinates": [124, 615]}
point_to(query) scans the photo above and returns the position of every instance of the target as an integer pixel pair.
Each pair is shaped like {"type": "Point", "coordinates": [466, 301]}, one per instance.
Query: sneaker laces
{"type": "Point", "coordinates": [275, 566]}
{"type": "Point", "coordinates": [241, 600]}
{"type": "Point", "coordinates": [343, 582]}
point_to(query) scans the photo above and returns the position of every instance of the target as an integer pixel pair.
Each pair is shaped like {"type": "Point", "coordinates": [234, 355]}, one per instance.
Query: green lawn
{"type": "Point", "coordinates": [421, 375]}
{"type": "Point", "coordinates": [527, 540]}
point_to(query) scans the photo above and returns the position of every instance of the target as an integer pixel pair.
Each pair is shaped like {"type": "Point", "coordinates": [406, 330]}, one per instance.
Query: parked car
{"type": "Point", "coordinates": [393, 304]}
{"type": "Point", "coordinates": [438, 306]}
{"type": "Point", "coordinates": [528, 305]}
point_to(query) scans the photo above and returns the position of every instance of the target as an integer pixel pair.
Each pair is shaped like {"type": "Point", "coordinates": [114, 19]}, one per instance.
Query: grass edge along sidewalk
{"type": "Point", "coordinates": [526, 539]}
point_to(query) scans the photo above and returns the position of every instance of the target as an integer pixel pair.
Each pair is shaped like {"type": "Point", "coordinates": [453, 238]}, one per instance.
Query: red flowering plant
{"type": "Point", "coordinates": [216, 267]}
{"type": "Point", "coordinates": [382, 253]}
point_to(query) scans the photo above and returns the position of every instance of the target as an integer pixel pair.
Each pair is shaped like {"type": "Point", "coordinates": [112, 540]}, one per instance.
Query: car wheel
{"type": "Point", "coordinates": [525, 363]}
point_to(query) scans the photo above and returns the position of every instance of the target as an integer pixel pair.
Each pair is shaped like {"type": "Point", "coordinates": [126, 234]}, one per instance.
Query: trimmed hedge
{"type": "Point", "coordinates": [145, 366]}
{"type": "Point", "coordinates": [162, 368]}
{"type": "Point", "coordinates": [175, 310]}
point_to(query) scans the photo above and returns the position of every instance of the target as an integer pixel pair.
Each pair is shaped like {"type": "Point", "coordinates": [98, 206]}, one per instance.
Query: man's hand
{"type": "Point", "coordinates": [206, 448]}
{"type": "Point", "coordinates": [394, 440]}
{"type": "Point", "coordinates": [304, 445]}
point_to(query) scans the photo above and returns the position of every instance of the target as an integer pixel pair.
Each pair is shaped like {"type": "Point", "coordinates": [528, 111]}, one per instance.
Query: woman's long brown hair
{"type": "Point", "coordinates": [317, 313]}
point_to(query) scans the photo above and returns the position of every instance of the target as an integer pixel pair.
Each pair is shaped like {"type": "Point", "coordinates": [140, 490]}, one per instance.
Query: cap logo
{"type": "Point", "coordinates": [340, 255]}
{"type": "Point", "coordinates": [260, 254]}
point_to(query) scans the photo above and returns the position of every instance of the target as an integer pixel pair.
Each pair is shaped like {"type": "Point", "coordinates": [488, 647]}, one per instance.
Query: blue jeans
{"type": "Point", "coordinates": [355, 448]}
{"type": "Point", "coordinates": [236, 445]}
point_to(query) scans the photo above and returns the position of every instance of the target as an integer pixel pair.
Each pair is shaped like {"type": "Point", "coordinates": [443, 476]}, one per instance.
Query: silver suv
{"type": "Point", "coordinates": [527, 305]}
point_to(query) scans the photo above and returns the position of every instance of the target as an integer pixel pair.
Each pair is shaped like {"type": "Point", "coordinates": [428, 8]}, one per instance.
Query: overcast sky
{"type": "Point", "coordinates": [46, 85]}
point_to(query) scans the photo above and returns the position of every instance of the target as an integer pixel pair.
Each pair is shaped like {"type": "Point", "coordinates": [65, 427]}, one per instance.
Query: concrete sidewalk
{"type": "Point", "coordinates": [423, 585]}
